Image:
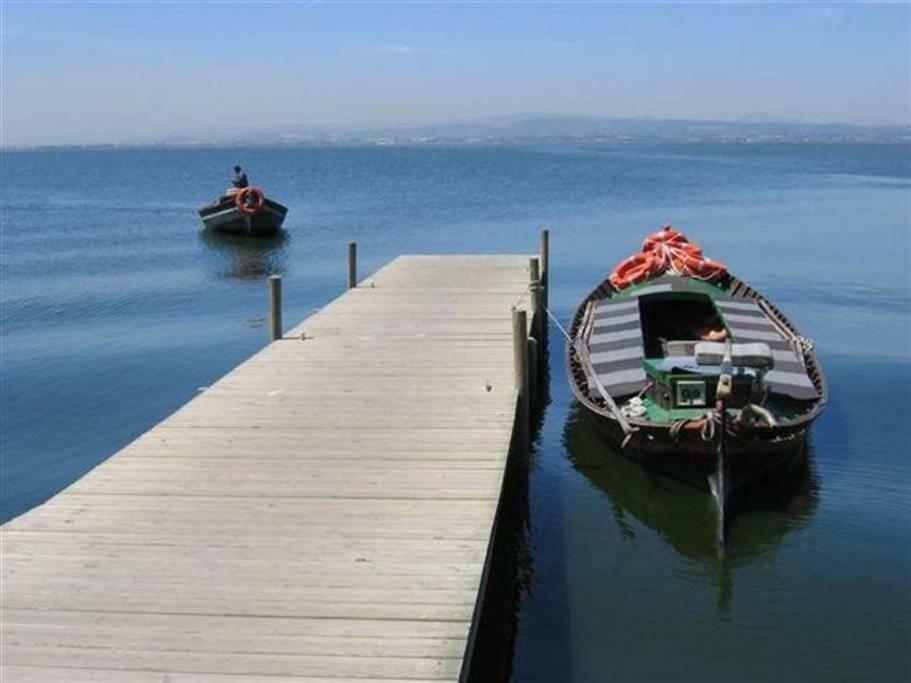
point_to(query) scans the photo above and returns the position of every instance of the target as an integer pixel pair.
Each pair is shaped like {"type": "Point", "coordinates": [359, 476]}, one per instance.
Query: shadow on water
{"type": "Point", "coordinates": [510, 571]}
{"type": "Point", "coordinates": [684, 516]}
{"type": "Point", "coordinates": [247, 257]}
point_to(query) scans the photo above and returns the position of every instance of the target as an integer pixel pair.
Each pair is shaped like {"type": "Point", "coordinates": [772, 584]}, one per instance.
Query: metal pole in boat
{"type": "Point", "coordinates": [275, 307]}
{"type": "Point", "coordinates": [352, 265]}
{"type": "Point", "coordinates": [718, 481]}
{"type": "Point", "coordinates": [721, 476]}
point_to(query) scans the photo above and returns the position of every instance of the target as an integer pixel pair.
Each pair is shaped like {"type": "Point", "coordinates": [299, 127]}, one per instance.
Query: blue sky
{"type": "Point", "coordinates": [86, 72]}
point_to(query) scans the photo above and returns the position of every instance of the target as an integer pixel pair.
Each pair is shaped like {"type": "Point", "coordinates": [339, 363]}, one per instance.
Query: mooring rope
{"type": "Point", "coordinates": [559, 326]}
{"type": "Point", "coordinates": [522, 295]}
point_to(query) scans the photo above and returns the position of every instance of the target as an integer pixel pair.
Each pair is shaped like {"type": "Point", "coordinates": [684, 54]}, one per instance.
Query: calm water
{"type": "Point", "coordinates": [116, 309]}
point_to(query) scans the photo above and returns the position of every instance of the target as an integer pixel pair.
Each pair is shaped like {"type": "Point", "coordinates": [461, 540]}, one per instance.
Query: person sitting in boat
{"type": "Point", "coordinates": [710, 329]}
{"type": "Point", "coordinates": [240, 178]}
{"type": "Point", "coordinates": [719, 334]}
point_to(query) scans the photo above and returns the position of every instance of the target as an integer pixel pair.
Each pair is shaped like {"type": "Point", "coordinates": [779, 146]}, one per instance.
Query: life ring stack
{"type": "Point", "coordinates": [666, 251]}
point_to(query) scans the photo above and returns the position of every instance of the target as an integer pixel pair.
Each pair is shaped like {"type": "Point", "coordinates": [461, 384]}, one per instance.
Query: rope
{"type": "Point", "coordinates": [559, 326]}
{"type": "Point", "coordinates": [522, 295]}
{"type": "Point", "coordinates": [707, 431]}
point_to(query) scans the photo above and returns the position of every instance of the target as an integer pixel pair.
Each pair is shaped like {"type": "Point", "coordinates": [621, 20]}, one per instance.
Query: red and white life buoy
{"type": "Point", "coordinates": [636, 268]}
{"type": "Point", "coordinates": [250, 200]}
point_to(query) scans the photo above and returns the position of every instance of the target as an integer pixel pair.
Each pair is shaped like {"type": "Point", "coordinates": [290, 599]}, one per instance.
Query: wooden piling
{"type": "Point", "coordinates": [535, 297]}
{"type": "Point", "coordinates": [545, 264]}
{"type": "Point", "coordinates": [352, 265]}
{"type": "Point", "coordinates": [520, 364]}
{"type": "Point", "coordinates": [275, 307]}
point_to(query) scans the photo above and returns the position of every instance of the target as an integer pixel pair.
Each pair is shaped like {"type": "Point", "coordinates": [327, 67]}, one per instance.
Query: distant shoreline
{"type": "Point", "coordinates": [519, 130]}
{"type": "Point", "coordinates": [442, 144]}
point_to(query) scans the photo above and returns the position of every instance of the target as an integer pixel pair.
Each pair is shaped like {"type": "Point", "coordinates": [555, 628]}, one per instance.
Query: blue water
{"type": "Point", "coordinates": [116, 309]}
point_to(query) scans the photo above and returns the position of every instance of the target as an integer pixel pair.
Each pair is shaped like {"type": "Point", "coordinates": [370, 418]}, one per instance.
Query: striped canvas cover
{"type": "Point", "coordinates": [749, 323]}
{"type": "Point", "coordinates": [615, 347]}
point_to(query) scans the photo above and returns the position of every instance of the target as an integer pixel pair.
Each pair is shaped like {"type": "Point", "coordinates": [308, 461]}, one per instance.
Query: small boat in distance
{"type": "Point", "coordinates": [688, 369]}
{"type": "Point", "coordinates": [244, 211]}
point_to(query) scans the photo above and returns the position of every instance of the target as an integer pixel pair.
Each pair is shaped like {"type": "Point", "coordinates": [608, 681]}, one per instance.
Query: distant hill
{"type": "Point", "coordinates": [754, 129]}
{"type": "Point", "coordinates": [544, 128]}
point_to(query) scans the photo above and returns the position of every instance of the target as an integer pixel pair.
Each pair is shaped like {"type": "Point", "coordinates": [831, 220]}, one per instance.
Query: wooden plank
{"type": "Point", "coordinates": [322, 512]}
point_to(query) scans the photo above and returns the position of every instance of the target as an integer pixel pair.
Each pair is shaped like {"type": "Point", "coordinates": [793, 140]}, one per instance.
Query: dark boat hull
{"type": "Point", "coordinates": [750, 456]}
{"type": "Point", "coordinates": [224, 216]}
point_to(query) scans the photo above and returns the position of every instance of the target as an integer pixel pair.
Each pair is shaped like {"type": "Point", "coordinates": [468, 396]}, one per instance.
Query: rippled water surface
{"type": "Point", "coordinates": [116, 308]}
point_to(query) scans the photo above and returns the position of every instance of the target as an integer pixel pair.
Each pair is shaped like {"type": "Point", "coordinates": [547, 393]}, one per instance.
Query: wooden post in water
{"type": "Point", "coordinates": [275, 307]}
{"type": "Point", "coordinates": [352, 265]}
{"type": "Point", "coordinates": [545, 265]}
{"type": "Point", "coordinates": [536, 298]}
{"type": "Point", "coordinates": [520, 362]}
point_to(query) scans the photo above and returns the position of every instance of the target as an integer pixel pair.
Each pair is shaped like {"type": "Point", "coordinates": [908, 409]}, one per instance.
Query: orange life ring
{"type": "Point", "coordinates": [661, 257]}
{"type": "Point", "coordinates": [666, 236]}
{"type": "Point", "coordinates": [636, 268]}
{"type": "Point", "coordinates": [692, 249]}
{"type": "Point", "coordinates": [250, 208]}
{"type": "Point", "coordinates": [698, 266]}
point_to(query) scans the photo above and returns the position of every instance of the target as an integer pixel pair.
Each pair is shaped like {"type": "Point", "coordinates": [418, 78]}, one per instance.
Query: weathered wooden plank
{"type": "Point", "coordinates": [44, 674]}
{"type": "Point", "coordinates": [322, 512]}
{"type": "Point", "coordinates": [201, 662]}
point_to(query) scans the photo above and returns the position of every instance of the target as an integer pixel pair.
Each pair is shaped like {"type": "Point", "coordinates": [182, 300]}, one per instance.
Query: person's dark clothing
{"type": "Point", "coordinates": [240, 180]}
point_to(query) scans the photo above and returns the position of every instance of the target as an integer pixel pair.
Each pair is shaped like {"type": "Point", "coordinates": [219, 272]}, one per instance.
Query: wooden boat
{"type": "Point", "coordinates": [244, 212]}
{"type": "Point", "coordinates": [689, 369]}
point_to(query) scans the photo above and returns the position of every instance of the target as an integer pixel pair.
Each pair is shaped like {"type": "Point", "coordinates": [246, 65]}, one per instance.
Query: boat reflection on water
{"type": "Point", "coordinates": [247, 257]}
{"type": "Point", "coordinates": [685, 516]}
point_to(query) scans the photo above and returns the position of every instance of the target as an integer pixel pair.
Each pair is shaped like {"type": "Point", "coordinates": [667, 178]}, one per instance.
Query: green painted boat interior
{"type": "Point", "coordinates": [694, 286]}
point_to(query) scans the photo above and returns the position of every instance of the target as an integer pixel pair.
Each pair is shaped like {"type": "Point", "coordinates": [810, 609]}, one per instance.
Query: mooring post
{"type": "Point", "coordinates": [520, 362]}
{"type": "Point", "coordinates": [535, 296]}
{"type": "Point", "coordinates": [545, 265]}
{"type": "Point", "coordinates": [275, 307]}
{"type": "Point", "coordinates": [352, 265]}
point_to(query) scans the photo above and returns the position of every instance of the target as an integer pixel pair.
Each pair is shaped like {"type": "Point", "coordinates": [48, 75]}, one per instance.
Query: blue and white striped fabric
{"type": "Point", "coordinates": [615, 346]}
{"type": "Point", "coordinates": [749, 323]}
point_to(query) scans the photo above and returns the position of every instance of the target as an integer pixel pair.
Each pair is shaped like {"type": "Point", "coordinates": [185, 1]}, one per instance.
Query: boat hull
{"type": "Point", "coordinates": [750, 456]}
{"type": "Point", "coordinates": [224, 216]}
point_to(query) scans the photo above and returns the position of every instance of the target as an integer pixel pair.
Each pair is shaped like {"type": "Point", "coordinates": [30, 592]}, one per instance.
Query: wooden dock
{"type": "Point", "coordinates": [322, 512]}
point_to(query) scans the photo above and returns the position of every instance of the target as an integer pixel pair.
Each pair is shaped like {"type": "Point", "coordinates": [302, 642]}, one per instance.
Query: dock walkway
{"type": "Point", "coordinates": [322, 512]}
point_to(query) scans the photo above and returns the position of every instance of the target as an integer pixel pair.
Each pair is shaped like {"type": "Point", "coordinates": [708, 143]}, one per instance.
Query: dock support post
{"type": "Point", "coordinates": [535, 295]}
{"type": "Point", "coordinates": [275, 307]}
{"type": "Point", "coordinates": [520, 361]}
{"type": "Point", "coordinates": [352, 265]}
{"type": "Point", "coordinates": [545, 265]}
